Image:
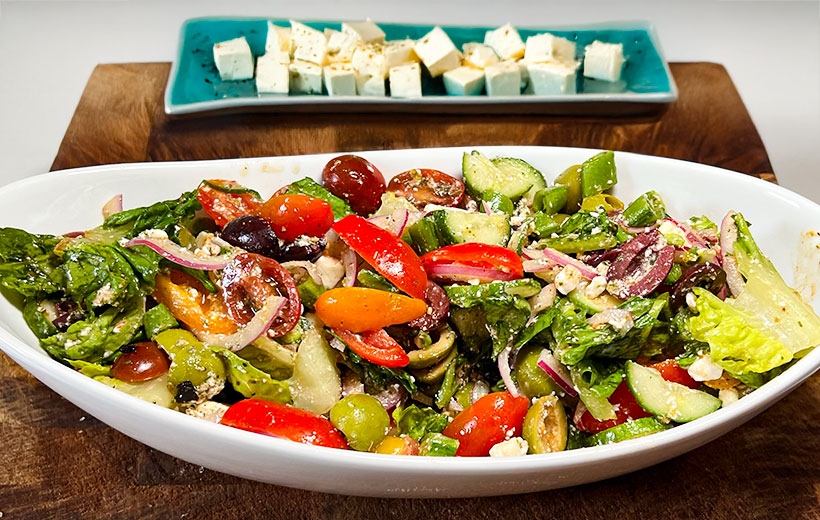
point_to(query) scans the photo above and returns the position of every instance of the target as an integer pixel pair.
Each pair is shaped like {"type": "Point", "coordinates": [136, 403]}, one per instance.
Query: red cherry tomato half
{"type": "Point", "coordinates": [390, 255]}
{"type": "Point", "coordinates": [672, 371]}
{"type": "Point", "coordinates": [492, 419]}
{"type": "Point", "coordinates": [626, 408]}
{"type": "Point", "coordinates": [423, 186]}
{"type": "Point", "coordinates": [473, 254]}
{"type": "Point", "coordinates": [355, 180]}
{"type": "Point", "coordinates": [140, 362]}
{"type": "Point", "coordinates": [252, 279]}
{"type": "Point", "coordinates": [224, 206]}
{"type": "Point", "coordinates": [292, 216]}
{"type": "Point", "coordinates": [280, 420]}
{"type": "Point", "coordinates": [375, 346]}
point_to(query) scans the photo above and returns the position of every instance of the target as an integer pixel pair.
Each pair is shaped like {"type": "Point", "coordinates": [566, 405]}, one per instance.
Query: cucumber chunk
{"type": "Point", "coordinates": [456, 226]}
{"type": "Point", "coordinates": [592, 305]}
{"type": "Point", "coordinates": [510, 177]}
{"type": "Point", "coordinates": [665, 399]}
{"type": "Point", "coordinates": [627, 430]}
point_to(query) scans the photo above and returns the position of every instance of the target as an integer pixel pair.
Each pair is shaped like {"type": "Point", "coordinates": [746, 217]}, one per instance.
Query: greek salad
{"type": "Point", "coordinates": [489, 314]}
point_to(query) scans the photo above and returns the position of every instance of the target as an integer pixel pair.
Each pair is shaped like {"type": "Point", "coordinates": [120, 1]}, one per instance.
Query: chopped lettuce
{"type": "Point", "coordinates": [28, 263]}
{"type": "Point", "coordinates": [250, 381]}
{"type": "Point", "coordinates": [417, 422]}
{"type": "Point", "coordinates": [164, 215]}
{"type": "Point", "coordinates": [376, 376]}
{"type": "Point", "coordinates": [597, 404]}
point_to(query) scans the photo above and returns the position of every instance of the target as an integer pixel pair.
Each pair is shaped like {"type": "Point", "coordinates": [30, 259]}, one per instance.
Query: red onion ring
{"type": "Point", "coordinates": [113, 206]}
{"type": "Point", "coordinates": [464, 273]}
{"type": "Point", "coordinates": [688, 234]}
{"type": "Point", "coordinates": [480, 389]}
{"type": "Point", "coordinates": [310, 267]}
{"type": "Point", "coordinates": [728, 236]}
{"type": "Point", "coordinates": [396, 222]}
{"type": "Point", "coordinates": [252, 331]}
{"type": "Point", "coordinates": [557, 372]}
{"type": "Point", "coordinates": [487, 209]}
{"type": "Point", "coordinates": [504, 370]}
{"type": "Point", "coordinates": [351, 264]}
{"type": "Point", "coordinates": [180, 255]}
{"type": "Point", "coordinates": [391, 396]}
{"type": "Point", "coordinates": [560, 258]}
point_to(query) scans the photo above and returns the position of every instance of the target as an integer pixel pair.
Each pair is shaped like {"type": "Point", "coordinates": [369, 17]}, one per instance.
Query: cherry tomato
{"type": "Point", "coordinates": [356, 180]}
{"type": "Point", "coordinates": [672, 371]}
{"type": "Point", "coordinates": [223, 206]}
{"type": "Point", "coordinates": [140, 362]}
{"type": "Point", "coordinates": [492, 419]}
{"type": "Point", "coordinates": [484, 256]}
{"type": "Point", "coordinates": [295, 215]}
{"type": "Point", "coordinates": [189, 302]}
{"type": "Point", "coordinates": [423, 186]}
{"type": "Point", "coordinates": [390, 255]}
{"type": "Point", "coordinates": [280, 420]}
{"type": "Point", "coordinates": [359, 309]}
{"type": "Point", "coordinates": [392, 445]}
{"type": "Point", "coordinates": [251, 280]}
{"type": "Point", "coordinates": [626, 408]}
{"type": "Point", "coordinates": [375, 346]}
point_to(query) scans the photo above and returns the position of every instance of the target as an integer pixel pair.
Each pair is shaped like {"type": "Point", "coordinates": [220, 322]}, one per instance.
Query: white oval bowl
{"type": "Point", "coordinates": [67, 201]}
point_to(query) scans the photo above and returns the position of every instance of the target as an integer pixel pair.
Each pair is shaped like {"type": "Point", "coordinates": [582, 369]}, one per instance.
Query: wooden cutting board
{"type": "Point", "coordinates": [57, 462]}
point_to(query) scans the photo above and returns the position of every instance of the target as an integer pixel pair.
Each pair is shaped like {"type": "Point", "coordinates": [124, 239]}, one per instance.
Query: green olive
{"type": "Point", "coordinates": [192, 361]}
{"type": "Point", "coordinates": [155, 390]}
{"type": "Point", "coordinates": [435, 373]}
{"type": "Point", "coordinates": [571, 178]}
{"type": "Point", "coordinates": [362, 419]}
{"type": "Point", "coordinates": [532, 380]}
{"type": "Point", "coordinates": [545, 426]}
{"type": "Point", "coordinates": [425, 357]}
{"type": "Point", "coordinates": [602, 200]}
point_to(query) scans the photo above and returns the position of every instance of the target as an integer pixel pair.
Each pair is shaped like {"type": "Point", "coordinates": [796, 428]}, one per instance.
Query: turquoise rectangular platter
{"type": "Point", "coordinates": [194, 85]}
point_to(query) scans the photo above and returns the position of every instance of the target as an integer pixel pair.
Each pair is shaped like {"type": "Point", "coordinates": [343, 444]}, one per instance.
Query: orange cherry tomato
{"type": "Point", "coordinates": [295, 215]}
{"type": "Point", "coordinates": [192, 304]}
{"type": "Point", "coordinates": [492, 419]}
{"type": "Point", "coordinates": [140, 362]}
{"type": "Point", "coordinates": [224, 206]}
{"type": "Point", "coordinates": [280, 420]}
{"type": "Point", "coordinates": [423, 186]}
{"type": "Point", "coordinates": [359, 309]}
{"type": "Point", "coordinates": [375, 346]}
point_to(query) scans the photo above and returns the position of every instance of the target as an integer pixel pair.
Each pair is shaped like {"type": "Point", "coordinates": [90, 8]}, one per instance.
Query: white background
{"type": "Point", "coordinates": [770, 48]}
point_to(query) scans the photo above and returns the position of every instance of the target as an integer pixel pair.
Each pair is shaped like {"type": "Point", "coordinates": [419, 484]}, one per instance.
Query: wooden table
{"type": "Point", "coordinates": [59, 463]}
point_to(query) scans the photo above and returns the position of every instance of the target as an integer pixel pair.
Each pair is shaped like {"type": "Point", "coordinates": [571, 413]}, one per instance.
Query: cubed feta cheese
{"type": "Point", "coordinates": [503, 79]}
{"type": "Point", "coordinates": [305, 78]}
{"type": "Point", "coordinates": [506, 42]}
{"type": "Point", "coordinates": [367, 31]}
{"type": "Point", "coordinates": [340, 79]}
{"type": "Point", "coordinates": [369, 61]}
{"type": "Point", "coordinates": [272, 75]}
{"type": "Point", "coordinates": [464, 81]}
{"type": "Point", "coordinates": [310, 45]}
{"type": "Point", "coordinates": [340, 46]}
{"type": "Point", "coordinates": [603, 61]}
{"type": "Point", "coordinates": [548, 47]}
{"type": "Point", "coordinates": [552, 77]}
{"type": "Point", "coordinates": [233, 59]}
{"type": "Point", "coordinates": [405, 81]}
{"type": "Point", "coordinates": [522, 69]}
{"type": "Point", "coordinates": [370, 86]}
{"type": "Point", "coordinates": [278, 39]}
{"type": "Point", "coordinates": [399, 52]}
{"type": "Point", "coordinates": [437, 52]}
{"type": "Point", "coordinates": [478, 55]}
{"type": "Point", "coordinates": [514, 447]}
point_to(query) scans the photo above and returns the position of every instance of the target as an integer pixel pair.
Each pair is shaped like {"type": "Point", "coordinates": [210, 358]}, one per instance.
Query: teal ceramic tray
{"type": "Point", "coordinates": [194, 86]}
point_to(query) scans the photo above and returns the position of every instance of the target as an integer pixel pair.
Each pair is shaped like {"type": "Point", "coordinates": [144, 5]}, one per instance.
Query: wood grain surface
{"type": "Point", "coordinates": [57, 462]}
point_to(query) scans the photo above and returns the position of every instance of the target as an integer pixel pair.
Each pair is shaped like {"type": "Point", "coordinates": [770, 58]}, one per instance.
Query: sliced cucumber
{"type": "Point", "coordinates": [592, 305]}
{"type": "Point", "coordinates": [481, 174]}
{"type": "Point", "coordinates": [457, 226]}
{"type": "Point", "coordinates": [519, 168]}
{"type": "Point", "coordinates": [627, 430]}
{"type": "Point", "coordinates": [666, 399]}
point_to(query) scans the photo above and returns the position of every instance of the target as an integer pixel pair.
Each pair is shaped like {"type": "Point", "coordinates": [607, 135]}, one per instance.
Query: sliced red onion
{"type": "Point", "coordinates": [252, 331]}
{"type": "Point", "coordinates": [480, 389]}
{"type": "Point", "coordinates": [392, 396]}
{"type": "Point", "coordinates": [351, 384]}
{"type": "Point", "coordinates": [113, 206]}
{"type": "Point", "coordinates": [560, 258]}
{"type": "Point", "coordinates": [536, 266]}
{"type": "Point", "coordinates": [180, 255]}
{"type": "Point", "coordinates": [504, 370]}
{"type": "Point", "coordinates": [556, 371]}
{"type": "Point", "coordinates": [728, 236]}
{"type": "Point", "coordinates": [487, 209]}
{"type": "Point", "coordinates": [311, 269]}
{"type": "Point", "coordinates": [74, 234]}
{"type": "Point", "coordinates": [693, 239]}
{"type": "Point", "coordinates": [580, 410]}
{"type": "Point", "coordinates": [464, 273]}
{"type": "Point", "coordinates": [620, 319]}
{"type": "Point", "coordinates": [542, 301]}
{"type": "Point", "coordinates": [396, 222]}
{"type": "Point", "coordinates": [351, 264]}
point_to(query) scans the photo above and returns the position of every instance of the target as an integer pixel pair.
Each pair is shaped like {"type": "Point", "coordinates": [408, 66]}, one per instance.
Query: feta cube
{"type": "Point", "coordinates": [464, 81]}
{"type": "Point", "coordinates": [437, 52]}
{"type": "Point", "coordinates": [478, 55]}
{"type": "Point", "coordinates": [522, 69]}
{"type": "Point", "coordinates": [405, 81]}
{"type": "Point", "coordinates": [552, 77]}
{"type": "Point", "coordinates": [369, 61]}
{"type": "Point", "coordinates": [399, 52]}
{"type": "Point", "coordinates": [233, 59]}
{"type": "Point", "coordinates": [340, 79]}
{"type": "Point", "coordinates": [603, 61]}
{"type": "Point", "coordinates": [305, 78]}
{"type": "Point", "coordinates": [340, 46]}
{"type": "Point", "coordinates": [503, 79]}
{"type": "Point", "coordinates": [272, 75]}
{"type": "Point", "coordinates": [310, 45]}
{"type": "Point", "coordinates": [548, 47]}
{"type": "Point", "coordinates": [568, 279]}
{"type": "Point", "coordinates": [278, 39]}
{"type": "Point", "coordinates": [367, 31]}
{"type": "Point", "coordinates": [370, 86]}
{"type": "Point", "coordinates": [506, 42]}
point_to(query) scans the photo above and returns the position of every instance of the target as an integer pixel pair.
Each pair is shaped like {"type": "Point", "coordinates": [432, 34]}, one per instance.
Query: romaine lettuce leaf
{"type": "Point", "coordinates": [418, 422]}
{"type": "Point", "coordinates": [28, 263]}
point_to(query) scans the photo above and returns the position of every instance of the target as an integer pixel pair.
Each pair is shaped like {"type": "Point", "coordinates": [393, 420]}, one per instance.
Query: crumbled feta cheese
{"type": "Point", "coordinates": [104, 296]}
{"type": "Point", "coordinates": [233, 59]}
{"type": "Point", "coordinates": [156, 234]}
{"type": "Point", "coordinates": [514, 447]}
{"type": "Point", "coordinates": [704, 369]}
{"type": "Point", "coordinates": [208, 410]}
{"type": "Point", "coordinates": [603, 61]}
{"type": "Point", "coordinates": [596, 287]}
{"type": "Point", "coordinates": [506, 42]}
{"type": "Point", "coordinates": [728, 396]}
{"type": "Point", "coordinates": [568, 279]}
{"type": "Point", "coordinates": [691, 300]}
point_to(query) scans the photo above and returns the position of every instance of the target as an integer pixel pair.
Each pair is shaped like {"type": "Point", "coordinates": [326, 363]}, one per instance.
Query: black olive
{"type": "Point", "coordinates": [709, 276]}
{"type": "Point", "coordinates": [127, 349]}
{"type": "Point", "coordinates": [186, 392]}
{"type": "Point", "coordinates": [253, 234]}
{"type": "Point", "coordinates": [67, 313]}
{"type": "Point", "coordinates": [307, 250]}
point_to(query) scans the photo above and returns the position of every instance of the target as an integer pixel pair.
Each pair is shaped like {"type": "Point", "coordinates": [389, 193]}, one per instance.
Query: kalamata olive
{"type": "Point", "coordinates": [709, 276]}
{"type": "Point", "coordinates": [641, 266]}
{"type": "Point", "coordinates": [306, 248]}
{"type": "Point", "coordinates": [356, 180]}
{"type": "Point", "coordinates": [67, 313]}
{"type": "Point", "coordinates": [438, 308]}
{"type": "Point", "coordinates": [253, 234]}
